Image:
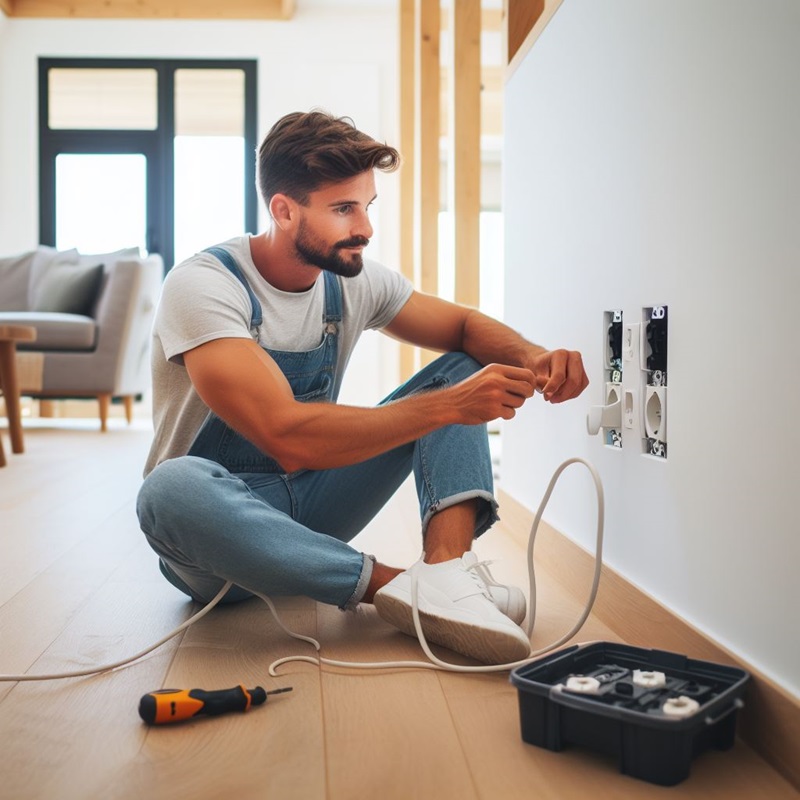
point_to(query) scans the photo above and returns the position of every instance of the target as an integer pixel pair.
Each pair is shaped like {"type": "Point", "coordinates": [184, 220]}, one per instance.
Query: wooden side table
{"type": "Point", "coordinates": [9, 336]}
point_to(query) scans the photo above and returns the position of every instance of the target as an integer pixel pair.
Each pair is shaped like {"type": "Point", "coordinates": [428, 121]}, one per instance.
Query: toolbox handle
{"type": "Point", "coordinates": [737, 704]}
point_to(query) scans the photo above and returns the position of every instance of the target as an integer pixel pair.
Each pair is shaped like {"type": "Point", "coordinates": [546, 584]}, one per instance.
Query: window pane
{"type": "Point", "coordinates": [102, 99]}
{"type": "Point", "coordinates": [209, 158]}
{"type": "Point", "coordinates": [101, 202]}
{"type": "Point", "coordinates": [209, 192]}
{"type": "Point", "coordinates": [209, 102]}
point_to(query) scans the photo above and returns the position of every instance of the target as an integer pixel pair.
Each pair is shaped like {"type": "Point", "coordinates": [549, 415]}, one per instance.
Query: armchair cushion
{"type": "Point", "coordinates": [68, 289]}
{"type": "Point", "coordinates": [55, 331]}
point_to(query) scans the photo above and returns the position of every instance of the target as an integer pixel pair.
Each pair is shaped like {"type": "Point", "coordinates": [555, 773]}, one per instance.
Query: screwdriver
{"type": "Point", "coordinates": [176, 705]}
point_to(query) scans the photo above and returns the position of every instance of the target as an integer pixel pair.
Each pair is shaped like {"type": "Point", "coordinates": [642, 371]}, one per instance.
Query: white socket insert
{"type": "Point", "coordinates": [655, 412]}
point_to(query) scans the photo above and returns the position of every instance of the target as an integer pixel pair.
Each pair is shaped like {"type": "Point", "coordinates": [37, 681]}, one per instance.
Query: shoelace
{"type": "Point", "coordinates": [482, 569]}
{"type": "Point", "coordinates": [435, 662]}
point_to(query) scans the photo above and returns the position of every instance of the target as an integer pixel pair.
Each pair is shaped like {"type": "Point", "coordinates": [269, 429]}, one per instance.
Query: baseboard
{"type": "Point", "coordinates": [770, 720]}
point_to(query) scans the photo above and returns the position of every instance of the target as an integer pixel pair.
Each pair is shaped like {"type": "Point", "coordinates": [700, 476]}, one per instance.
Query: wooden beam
{"type": "Point", "coordinates": [492, 19]}
{"type": "Point", "coordinates": [525, 22]}
{"type": "Point", "coordinates": [153, 9]}
{"type": "Point", "coordinates": [407, 25]}
{"type": "Point", "coordinates": [492, 87]}
{"type": "Point", "coordinates": [426, 149]}
{"type": "Point", "coordinates": [521, 16]}
{"type": "Point", "coordinates": [464, 145]}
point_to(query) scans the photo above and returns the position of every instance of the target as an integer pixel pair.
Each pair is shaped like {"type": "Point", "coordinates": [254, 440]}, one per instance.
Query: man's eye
{"type": "Point", "coordinates": [343, 210]}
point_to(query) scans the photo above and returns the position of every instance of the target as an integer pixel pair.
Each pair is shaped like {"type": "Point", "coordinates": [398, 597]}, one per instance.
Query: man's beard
{"type": "Point", "coordinates": [333, 261]}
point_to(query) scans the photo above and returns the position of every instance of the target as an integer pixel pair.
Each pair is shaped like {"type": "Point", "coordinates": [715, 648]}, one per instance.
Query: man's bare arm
{"type": "Point", "coordinates": [245, 387]}
{"type": "Point", "coordinates": [434, 323]}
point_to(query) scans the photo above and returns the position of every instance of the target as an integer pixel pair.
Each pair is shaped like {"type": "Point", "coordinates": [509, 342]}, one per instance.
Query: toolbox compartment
{"type": "Point", "coordinates": [612, 714]}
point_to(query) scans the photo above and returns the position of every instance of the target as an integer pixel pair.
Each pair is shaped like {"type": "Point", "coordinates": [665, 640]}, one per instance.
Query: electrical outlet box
{"type": "Point", "coordinates": [613, 327]}
{"type": "Point", "coordinates": [654, 365]}
{"type": "Point", "coordinates": [613, 364]}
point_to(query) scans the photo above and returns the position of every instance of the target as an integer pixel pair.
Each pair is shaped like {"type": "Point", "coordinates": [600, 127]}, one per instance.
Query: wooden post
{"type": "Point", "coordinates": [409, 354]}
{"type": "Point", "coordinates": [464, 146]}
{"type": "Point", "coordinates": [426, 151]}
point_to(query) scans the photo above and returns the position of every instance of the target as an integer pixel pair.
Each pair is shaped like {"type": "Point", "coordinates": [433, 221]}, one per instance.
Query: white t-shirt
{"type": "Point", "coordinates": [202, 300]}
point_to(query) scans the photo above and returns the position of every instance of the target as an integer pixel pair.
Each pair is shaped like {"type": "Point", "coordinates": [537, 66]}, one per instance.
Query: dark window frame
{"type": "Point", "coordinates": [157, 145]}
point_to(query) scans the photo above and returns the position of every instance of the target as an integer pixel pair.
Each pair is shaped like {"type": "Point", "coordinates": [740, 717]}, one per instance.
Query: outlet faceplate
{"type": "Point", "coordinates": [654, 366]}
{"type": "Point", "coordinates": [614, 361]}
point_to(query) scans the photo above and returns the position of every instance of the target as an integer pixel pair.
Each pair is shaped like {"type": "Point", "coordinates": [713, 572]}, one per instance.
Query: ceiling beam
{"type": "Point", "coordinates": [150, 9]}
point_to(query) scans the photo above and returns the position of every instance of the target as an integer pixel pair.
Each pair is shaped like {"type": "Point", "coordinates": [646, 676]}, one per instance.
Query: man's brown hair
{"type": "Point", "coordinates": [304, 151]}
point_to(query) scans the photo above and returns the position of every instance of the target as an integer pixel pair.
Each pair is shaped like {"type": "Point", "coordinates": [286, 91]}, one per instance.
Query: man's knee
{"type": "Point", "coordinates": [448, 369]}
{"type": "Point", "coordinates": [456, 366]}
{"type": "Point", "coordinates": [170, 484]}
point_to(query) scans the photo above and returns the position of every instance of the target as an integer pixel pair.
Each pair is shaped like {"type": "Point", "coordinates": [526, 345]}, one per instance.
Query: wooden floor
{"type": "Point", "coordinates": [79, 587]}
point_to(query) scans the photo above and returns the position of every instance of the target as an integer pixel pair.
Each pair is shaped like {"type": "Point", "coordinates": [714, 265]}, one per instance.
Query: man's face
{"type": "Point", "coordinates": [334, 226]}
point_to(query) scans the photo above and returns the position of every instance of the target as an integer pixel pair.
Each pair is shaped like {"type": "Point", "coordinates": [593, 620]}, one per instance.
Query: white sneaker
{"type": "Point", "coordinates": [508, 599]}
{"type": "Point", "coordinates": [456, 610]}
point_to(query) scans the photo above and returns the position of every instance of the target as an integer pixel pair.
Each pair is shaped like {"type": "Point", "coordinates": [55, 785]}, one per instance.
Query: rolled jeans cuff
{"type": "Point", "coordinates": [485, 518]}
{"type": "Point", "coordinates": [363, 583]}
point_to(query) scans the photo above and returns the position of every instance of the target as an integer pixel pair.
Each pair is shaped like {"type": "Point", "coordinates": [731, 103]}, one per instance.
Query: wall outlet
{"type": "Point", "coordinates": [655, 413]}
{"type": "Point", "coordinates": [654, 365]}
{"type": "Point", "coordinates": [613, 328]}
{"type": "Point", "coordinates": [613, 436]}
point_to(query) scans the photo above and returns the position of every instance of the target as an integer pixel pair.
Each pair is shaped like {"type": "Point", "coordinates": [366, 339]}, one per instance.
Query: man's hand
{"type": "Point", "coordinates": [496, 391]}
{"type": "Point", "coordinates": [559, 374]}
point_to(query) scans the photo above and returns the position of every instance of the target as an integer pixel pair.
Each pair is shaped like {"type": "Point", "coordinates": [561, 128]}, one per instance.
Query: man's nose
{"type": "Point", "coordinates": [363, 227]}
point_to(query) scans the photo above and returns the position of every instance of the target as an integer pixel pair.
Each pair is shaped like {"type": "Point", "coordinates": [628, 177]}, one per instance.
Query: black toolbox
{"type": "Point", "coordinates": [653, 709]}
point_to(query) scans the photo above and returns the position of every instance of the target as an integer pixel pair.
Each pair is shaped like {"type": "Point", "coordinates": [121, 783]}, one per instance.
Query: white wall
{"type": "Point", "coordinates": [653, 159]}
{"type": "Point", "coordinates": [321, 58]}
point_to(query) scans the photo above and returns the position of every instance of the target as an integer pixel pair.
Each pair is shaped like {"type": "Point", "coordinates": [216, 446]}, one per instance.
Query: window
{"type": "Point", "coordinates": [151, 153]}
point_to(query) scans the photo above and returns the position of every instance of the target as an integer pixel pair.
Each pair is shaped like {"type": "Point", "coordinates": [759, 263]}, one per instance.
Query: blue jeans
{"type": "Point", "coordinates": [287, 534]}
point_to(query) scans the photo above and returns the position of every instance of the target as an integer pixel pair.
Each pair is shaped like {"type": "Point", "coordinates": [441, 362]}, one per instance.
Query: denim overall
{"type": "Point", "coordinates": [311, 376]}
{"type": "Point", "coordinates": [227, 511]}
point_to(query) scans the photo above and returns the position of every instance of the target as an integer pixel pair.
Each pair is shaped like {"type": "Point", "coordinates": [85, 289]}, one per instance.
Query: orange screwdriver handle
{"type": "Point", "coordinates": [176, 705]}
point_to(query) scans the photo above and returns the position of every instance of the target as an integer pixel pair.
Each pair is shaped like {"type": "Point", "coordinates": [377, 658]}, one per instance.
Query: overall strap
{"type": "Point", "coordinates": [229, 261]}
{"type": "Point", "coordinates": [333, 298]}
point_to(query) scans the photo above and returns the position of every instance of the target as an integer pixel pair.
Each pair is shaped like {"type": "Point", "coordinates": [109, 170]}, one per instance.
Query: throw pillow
{"type": "Point", "coordinates": [14, 277]}
{"type": "Point", "coordinates": [45, 259]}
{"type": "Point", "coordinates": [108, 258]}
{"type": "Point", "coordinates": [68, 289]}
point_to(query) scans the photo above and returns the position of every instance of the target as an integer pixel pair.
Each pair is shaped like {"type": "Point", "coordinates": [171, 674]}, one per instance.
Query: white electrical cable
{"type": "Point", "coordinates": [435, 662]}
{"type": "Point", "coordinates": [96, 670]}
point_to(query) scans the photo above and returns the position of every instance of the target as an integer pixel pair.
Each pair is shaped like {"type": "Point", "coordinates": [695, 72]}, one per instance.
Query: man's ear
{"type": "Point", "coordinates": [283, 211]}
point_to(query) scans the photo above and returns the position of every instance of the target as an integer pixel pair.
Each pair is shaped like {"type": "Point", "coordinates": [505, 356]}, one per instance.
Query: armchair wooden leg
{"type": "Point", "coordinates": [105, 401]}
{"type": "Point", "coordinates": [2, 454]}
{"type": "Point", "coordinates": [48, 408]}
{"type": "Point", "coordinates": [10, 386]}
{"type": "Point", "coordinates": [128, 400]}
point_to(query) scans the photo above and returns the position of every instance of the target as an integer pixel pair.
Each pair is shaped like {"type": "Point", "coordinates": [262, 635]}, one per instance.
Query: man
{"type": "Point", "coordinates": [258, 477]}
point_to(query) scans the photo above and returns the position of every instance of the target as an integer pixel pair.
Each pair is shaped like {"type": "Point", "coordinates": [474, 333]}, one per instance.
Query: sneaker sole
{"type": "Point", "coordinates": [484, 644]}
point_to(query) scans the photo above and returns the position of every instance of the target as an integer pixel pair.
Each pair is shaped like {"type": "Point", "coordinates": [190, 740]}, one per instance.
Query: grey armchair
{"type": "Point", "coordinates": [93, 317]}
